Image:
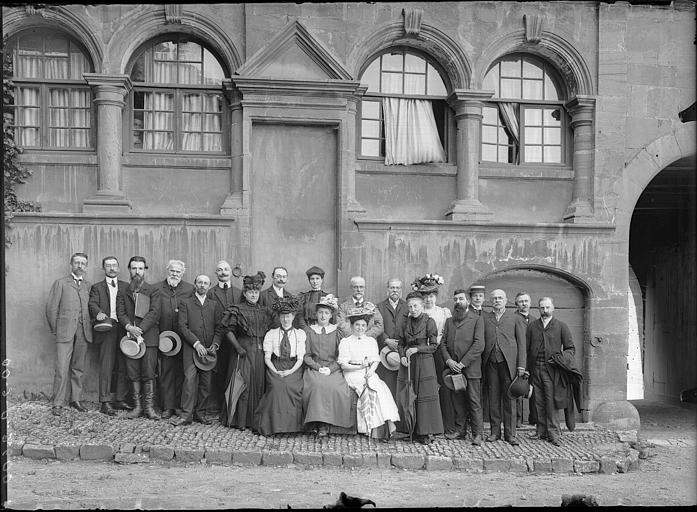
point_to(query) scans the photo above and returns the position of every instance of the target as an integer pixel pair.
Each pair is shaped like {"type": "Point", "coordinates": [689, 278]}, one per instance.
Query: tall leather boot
{"type": "Point", "coordinates": [149, 397]}
{"type": "Point", "coordinates": [137, 409]}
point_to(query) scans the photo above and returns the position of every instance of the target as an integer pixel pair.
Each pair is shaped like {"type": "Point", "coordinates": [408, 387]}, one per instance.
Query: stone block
{"type": "Point", "coordinates": [384, 460]}
{"type": "Point", "coordinates": [246, 457]}
{"type": "Point", "coordinates": [188, 454]}
{"type": "Point", "coordinates": [562, 465]}
{"type": "Point", "coordinates": [370, 459]}
{"type": "Point", "coordinates": [67, 452]}
{"type": "Point", "coordinates": [276, 458]}
{"type": "Point", "coordinates": [38, 451]}
{"type": "Point", "coordinates": [331, 459]}
{"type": "Point", "coordinates": [218, 456]}
{"type": "Point", "coordinates": [519, 466]}
{"type": "Point", "coordinates": [632, 460]}
{"type": "Point", "coordinates": [131, 458]}
{"type": "Point", "coordinates": [616, 415]}
{"type": "Point", "coordinates": [542, 465]}
{"type": "Point", "coordinates": [408, 460]}
{"type": "Point", "coordinates": [353, 460]}
{"type": "Point", "coordinates": [586, 466]}
{"type": "Point", "coordinates": [497, 465]}
{"type": "Point", "coordinates": [127, 448]}
{"type": "Point", "coordinates": [161, 452]}
{"type": "Point", "coordinates": [438, 463]}
{"type": "Point", "coordinates": [628, 436]}
{"type": "Point", "coordinates": [96, 452]}
{"type": "Point", "coordinates": [14, 449]}
{"type": "Point", "coordinates": [608, 465]}
{"type": "Point", "coordinates": [308, 458]}
{"type": "Point", "coordinates": [473, 465]}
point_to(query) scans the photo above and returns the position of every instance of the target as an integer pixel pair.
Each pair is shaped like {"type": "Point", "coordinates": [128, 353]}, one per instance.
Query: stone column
{"type": "Point", "coordinates": [581, 109]}
{"type": "Point", "coordinates": [234, 201]}
{"type": "Point", "coordinates": [109, 93]}
{"type": "Point", "coordinates": [468, 114]}
{"type": "Point", "coordinates": [349, 150]}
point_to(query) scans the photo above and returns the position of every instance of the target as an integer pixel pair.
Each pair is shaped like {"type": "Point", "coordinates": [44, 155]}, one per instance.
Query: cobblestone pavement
{"type": "Point", "coordinates": [34, 432]}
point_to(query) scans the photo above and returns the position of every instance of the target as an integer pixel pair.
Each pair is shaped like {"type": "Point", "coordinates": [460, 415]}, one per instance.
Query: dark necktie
{"type": "Point", "coordinates": [284, 349]}
{"type": "Point", "coordinates": [226, 286]}
{"type": "Point", "coordinates": [113, 283]}
{"type": "Point", "coordinates": [324, 331]}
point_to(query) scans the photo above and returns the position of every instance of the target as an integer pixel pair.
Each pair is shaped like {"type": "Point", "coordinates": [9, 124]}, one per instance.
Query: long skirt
{"type": "Point", "coordinates": [327, 398]}
{"type": "Point", "coordinates": [252, 369]}
{"type": "Point", "coordinates": [281, 407]}
{"type": "Point", "coordinates": [425, 385]}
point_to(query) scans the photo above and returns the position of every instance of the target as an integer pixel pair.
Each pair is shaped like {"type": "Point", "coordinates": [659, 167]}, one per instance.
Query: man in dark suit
{"type": "Point", "coordinates": [309, 299]}
{"type": "Point", "coordinates": [504, 359]}
{"type": "Point", "coordinates": [141, 324]}
{"type": "Point", "coordinates": [461, 346]}
{"type": "Point", "coordinates": [522, 304]}
{"type": "Point", "coordinates": [198, 317]}
{"type": "Point", "coordinates": [225, 294]}
{"type": "Point", "coordinates": [172, 291]}
{"type": "Point", "coordinates": [102, 306]}
{"type": "Point", "coordinates": [68, 319]}
{"type": "Point", "coordinates": [394, 313]}
{"type": "Point", "coordinates": [279, 279]}
{"type": "Point", "coordinates": [545, 337]}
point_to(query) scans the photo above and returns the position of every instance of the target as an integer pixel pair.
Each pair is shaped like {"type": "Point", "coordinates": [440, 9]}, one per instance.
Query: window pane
{"type": "Point", "coordinates": [81, 138]}
{"type": "Point", "coordinates": [532, 89]}
{"type": "Point", "coordinates": [550, 89]}
{"type": "Point", "coordinates": [510, 68]}
{"type": "Point", "coordinates": [392, 62]}
{"type": "Point", "coordinates": [533, 135]}
{"type": "Point", "coordinates": [138, 71]}
{"type": "Point", "coordinates": [489, 134]}
{"type": "Point", "coordinates": [533, 117]}
{"type": "Point", "coordinates": [414, 64]}
{"type": "Point", "coordinates": [29, 60]}
{"type": "Point", "coordinates": [414, 84]}
{"type": "Point", "coordinates": [552, 135]}
{"type": "Point", "coordinates": [78, 65]}
{"type": "Point", "coordinates": [552, 117]}
{"type": "Point", "coordinates": [533, 153]}
{"type": "Point", "coordinates": [370, 147]}
{"type": "Point", "coordinates": [531, 70]}
{"type": "Point", "coordinates": [552, 154]}
{"type": "Point", "coordinates": [510, 88]}
{"type": "Point", "coordinates": [436, 87]}
{"type": "Point", "coordinates": [503, 136]}
{"type": "Point", "coordinates": [370, 129]}
{"type": "Point", "coordinates": [189, 51]}
{"type": "Point", "coordinates": [212, 70]}
{"type": "Point", "coordinates": [189, 73]}
{"type": "Point", "coordinates": [165, 51]}
{"type": "Point", "coordinates": [165, 72]}
{"type": "Point", "coordinates": [490, 115]}
{"type": "Point", "coordinates": [371, 76]}
{"type": "Point", "coordinates": [505, 154]}
{"type": "Point", "coordinates": [27, 137]}
{"type": "Point", "coordinates": [370, 109]}
{"type": "Point", "coordinates": [491, 81]}
{"type": "Point", "coordinates": [392, 83]}
{"type": "Point", "coordinates": [59, 138]}
{"type": "Point", "coordinates": [489, 153]}
{"type": "Point", "coordinates": [56, 46]}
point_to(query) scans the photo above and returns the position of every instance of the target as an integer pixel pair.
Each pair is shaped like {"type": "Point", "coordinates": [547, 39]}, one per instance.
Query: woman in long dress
{"type": "Point", "coordinates": [417, 343]}
{"type": "Point", "coordinates": [327, 399]}
{"type": "Point", "coordinates": [244, 326]}
{"type": "Point", "coordinates": [359, 358]}
{"type": "Point", "coordinates": [281, 407]}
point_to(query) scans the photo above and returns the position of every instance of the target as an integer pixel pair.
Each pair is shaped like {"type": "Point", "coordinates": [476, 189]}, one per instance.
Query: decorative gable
{"type": "Point", "coordinates": [294, 54]}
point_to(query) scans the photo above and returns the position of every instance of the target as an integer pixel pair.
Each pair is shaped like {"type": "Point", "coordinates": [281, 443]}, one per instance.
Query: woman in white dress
{"type": "Point", "coordinates": [359, 358]}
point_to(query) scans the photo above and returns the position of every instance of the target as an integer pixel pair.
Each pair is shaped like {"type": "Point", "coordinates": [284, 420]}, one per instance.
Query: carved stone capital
{"type": "Point", "coordinates": [581, 109]}
{"type": "Point", "coordinates": [468, 102]}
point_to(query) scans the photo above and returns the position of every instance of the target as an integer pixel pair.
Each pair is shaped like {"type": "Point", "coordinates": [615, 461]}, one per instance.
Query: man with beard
{"type": "Point", "coordinates": [357, 300]}
{"type": "Point", "coordinates": [394, 313]}
{"type": "Point", "coordinates": [225, 294]}
{"type": "Point", "coordinates": [68, 319]}
{"type": "Point", "coordinates": [476, 293]}
{"type": "Point", "coordinates": [172, 291]}
{"type": "Point", "coordinates": [141, 324]}
{"type": "Point", "coordinates": [546, 337]}
{"type": "Point", "coordinates": [461, 346]}
{"type": "Point", "coordinates": [503, 360]}
{"type": "Point", "coordinates": [309, 299]}
{"type": "Point", "coordinates": [102, 306]}
{"type": "Point", "coordinates": [522, 304]}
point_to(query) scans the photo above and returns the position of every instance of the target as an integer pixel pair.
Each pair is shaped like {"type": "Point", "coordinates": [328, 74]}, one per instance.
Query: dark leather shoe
{"type": "Point", "coordinates": [492, 438]}
{"type": "Point", "coordinates": [77, 406]}
{"type": "Point", "coordinates": [537, 436]}
{"type": "Point", "coordinates": [107, 409]}
{"type": "Point", "coordinates": [513, 441]}
{"type": "Point", "coordinates": [399, 436]}
{"type": "Point", "coordinates": [202, 419]}
{"type": "Point", "coordinates": [167, 414]}
{"type": "Point", "coordinates": [455, 435]}
{"type": "Point", "coordinates": [427, 439]}
{"type": "Point", "coordinates": [181, 421]}
{"type": "Point", "coordinates": [121, 405]}
{"type": "Point", "coordinates": [554, 441]}
{"type": "Point", "coordinates": [477, 440]}
{"type": "Point", "coordinates": [56, 410]}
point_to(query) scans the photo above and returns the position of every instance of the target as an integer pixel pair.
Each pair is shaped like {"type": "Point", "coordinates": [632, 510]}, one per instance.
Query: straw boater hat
{"type": "Point", "coordinates": [132, 348]}
{"type": "Point", "coordinates": [206, 362]}
{"type": "Point", "coordinates": [475, 288]}
{"type": "Point", "coordinates": [454, 381]}
{"type": "Point", "coordinates": [430, 283]}
{"type": "Point", "coordinates": [328, 301]}
{"type": "Point", "coordinates": [104, 325]}
{"type": "Point", "coordinates": [170, 343]}
{"type": "Point", "coordinates": [520, 388]}
{"type": "Point", "coordinates": [314, 270]}
{"type": "Point", "coordinates": [389, 358]}
{"type": "Point", "coordinates": [254, 282]}
{"type": "Point", "coordinates": [287, 304]}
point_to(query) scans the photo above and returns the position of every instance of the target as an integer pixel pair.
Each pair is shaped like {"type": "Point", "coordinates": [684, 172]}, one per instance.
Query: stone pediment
{"type": "Point", "coordinates": [294, 54]}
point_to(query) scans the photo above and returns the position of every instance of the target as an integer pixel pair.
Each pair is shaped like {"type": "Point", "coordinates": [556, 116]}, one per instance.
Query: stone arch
{"type": "Point", "coordinates": [447, 54]}
{"type": "Point", "coordinates": [143, 26]}
{"type": "Point", "coordinates": [551, 47]}
{"type": "Point", "coordinates": [573, 279]}
{"type": "Point", "coordinates": [17, 19]}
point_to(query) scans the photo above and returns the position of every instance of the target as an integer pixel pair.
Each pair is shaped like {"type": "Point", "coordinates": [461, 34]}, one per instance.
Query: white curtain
{"type": "Point", "coordinates": [201, 115]}
{"type": "Point", "coordinates": [69, 118]}
{"type": "Point", "coordinates": [509, 115]}
{"type": "Point", "coordinates": [27, 116]}
{"type": "Point", "coordinates": [411, 134]}
{"type": "Point", "coordinates": [158, 121]}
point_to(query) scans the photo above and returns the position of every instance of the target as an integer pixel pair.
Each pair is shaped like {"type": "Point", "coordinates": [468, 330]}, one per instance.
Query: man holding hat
{"type": "Point", "coordinates": [173, 290]}
{"type": "Point", "coordinates": [138, 310]}
{"type": "Point", "coordinates": [394, 313]}
{"type": "Point", "coordinates": [476, 293]}
{"type": "Point", "coordinates": [522, 304]}
{"type": "Point", "coordinates": [504, 359]}
{"type": "Point", "coordinates": [198, 318]}
{"type": "Point", "coordinates": [309, 299]}
{"type": "Point", "coordinates": [107, 334]}
{"type": "Point", "coordinates": [461, 346]}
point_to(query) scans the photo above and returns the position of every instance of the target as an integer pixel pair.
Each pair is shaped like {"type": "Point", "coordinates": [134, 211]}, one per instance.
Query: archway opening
{"type": "Point", "coordinates": [662, 241]}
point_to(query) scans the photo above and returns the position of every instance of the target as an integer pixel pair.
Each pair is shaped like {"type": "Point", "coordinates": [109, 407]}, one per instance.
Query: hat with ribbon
{"type": "Point", "coordinates": [132, 348]}
{"type": "Point", "coordinates": [454, 381]}
{"type": "Point", "coordinates": [328, 301]}
{"type": "Point", "coordinates": [477, 288]}
{"type": "Point", "coordinates": [206, 362]}
{"type": "Point", "coordinates": [389, 358]}
{"type": "Point", "coordinates": [170, 343]}
{"type": "Point", "coordinates": [429, 283]}
{"type": "Point", "coordinates": [254, 282]}
{"type": "Point", "coordinates": [520, 387]}
{"type": "Point", "coordinates": [103, 325]}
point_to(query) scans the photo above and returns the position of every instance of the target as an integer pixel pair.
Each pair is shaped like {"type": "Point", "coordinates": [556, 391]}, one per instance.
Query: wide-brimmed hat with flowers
{"type": "Point", "coordinates": [365, 312]}
{"type": "Point", "coordinates": [328, 301]}
{"type": "Point", "coordinates": [430, 283]}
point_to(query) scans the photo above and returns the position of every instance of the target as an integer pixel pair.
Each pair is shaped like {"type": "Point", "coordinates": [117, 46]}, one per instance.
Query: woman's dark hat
{"type": "Point", "coordinates": [287, 304]}
{"type": "Point", "coordinates": [254, 282]}
{"type": "Point", "coordinates": [414, 295]}
{"type": "Point", "coordinates": [314, 270]}
{"type": "Point", "coordinates": [520, 388]}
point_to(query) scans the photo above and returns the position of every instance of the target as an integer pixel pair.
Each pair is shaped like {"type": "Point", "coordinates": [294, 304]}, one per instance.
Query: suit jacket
{"type": "Point", "coordinates": [268, 297]}
{"type": "Point", "coordinates": [526, 319]}
{"type": "Point", "coordinates": [169, 303]}
{"type": "Point", "coordinates": [464, 342]}
{"type": "Point", "coordinates": [470, 308]}
{"type": "Point", "coordinates": [99, 303]}
{"type": "Point", "coordinates": [375, 325]}
{"type": "Point", "coordinates": [65, 304]}
{"type": "Point", "coordinates": [509, 331]}
{"type": "Point", "coordinates": [125, 310]}
{"type": "Point", "coordinates": [198, 322]}
{"type": "Point", "coordinates": [555, 339]}
{"type": "Point", "coordinates": [392, 319]}
{"type": "Point", "coordinates": [218, 294]}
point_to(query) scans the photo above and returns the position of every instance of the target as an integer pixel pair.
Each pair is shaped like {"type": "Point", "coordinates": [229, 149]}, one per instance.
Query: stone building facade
{"type": "Point", "coordinates": [258, 133]}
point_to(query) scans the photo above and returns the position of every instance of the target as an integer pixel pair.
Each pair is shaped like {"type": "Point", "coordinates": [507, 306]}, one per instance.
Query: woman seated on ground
{"type": "Point", "coordinates": [359, 357]}
{"type": "Point", "coordinates": [281, 407]}
{"type": "Point", "coordinates": [326, 396]}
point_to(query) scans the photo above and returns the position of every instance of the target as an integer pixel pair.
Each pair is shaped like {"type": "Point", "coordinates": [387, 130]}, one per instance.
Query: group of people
{"type": "Point", "coordinates": [275, 362]}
